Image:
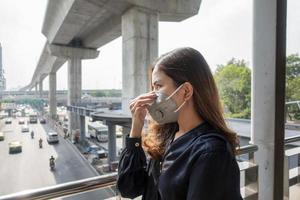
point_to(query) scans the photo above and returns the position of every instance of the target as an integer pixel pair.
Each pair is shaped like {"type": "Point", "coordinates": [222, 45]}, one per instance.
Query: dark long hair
{"type": "Point", "coordinates": [188, 65]}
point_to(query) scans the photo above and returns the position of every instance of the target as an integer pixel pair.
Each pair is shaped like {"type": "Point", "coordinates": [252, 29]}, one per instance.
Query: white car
{"type": "Point", "coordinates": [8, 121]}
{"type": "Point", "coordinates": [25, 128]}
{"type": "Point", "coordinates": [52, 137]}
{"type": "Point", "coordinates": [15, 147]}
{"type": "Point", "coordinates": [21, 121]}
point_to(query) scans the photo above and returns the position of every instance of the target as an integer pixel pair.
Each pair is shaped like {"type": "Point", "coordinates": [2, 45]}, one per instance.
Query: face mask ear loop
{"type": "Point", "coordinates": [180, 106]}
{"type": "Point", "coordinates": [174, 92]}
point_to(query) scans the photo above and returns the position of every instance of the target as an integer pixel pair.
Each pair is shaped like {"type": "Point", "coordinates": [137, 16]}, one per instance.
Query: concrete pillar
{"type": "Point", "coordinates": [82, 128]}
{"type": "Point", "coordinates": [268, 83]}
{"type": "Point", "coordinates": [74, 90]}
{"type": "Point", "coordinates": [140, 48]}
{"type": "Point", "coordinates": [41, 88]}
{"type": "Point", "coordinates": [112, 138]}
{"type": "Point", "coordinates": [74, 56]}
{"type": "Point", "coordinates": [36, 90]}
{"type": "Point", "coordinates": [125, 133]}
{"type": "Point", "coordinates": [52, 95]}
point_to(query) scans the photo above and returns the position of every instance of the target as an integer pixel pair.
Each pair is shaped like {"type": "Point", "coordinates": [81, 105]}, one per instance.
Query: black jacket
{"type": "Point", "coordinates": [199, 165]}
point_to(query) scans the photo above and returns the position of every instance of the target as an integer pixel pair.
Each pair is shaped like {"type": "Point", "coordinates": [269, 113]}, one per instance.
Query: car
{"type": "Point", "coordinates": [42, 121]}
{"type": "Point", "coordinates": [1, 136]}
{"type": "Point", "coordinates": [52, 137]}
{"type": "Point", "coordinates": [15, 147]}
{"type": "Point", "coordinates": [8, 121]}
{"type": "Point", "coordinates": [25, 128]}
{"type": "Point", "coordinates": [21, 121]}
{"type": "Point", "coordinates": [98, 150]}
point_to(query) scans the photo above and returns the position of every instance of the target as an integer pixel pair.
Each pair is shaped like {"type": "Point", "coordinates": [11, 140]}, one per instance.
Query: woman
{"type": "Point", "coordinates": [191, 150]}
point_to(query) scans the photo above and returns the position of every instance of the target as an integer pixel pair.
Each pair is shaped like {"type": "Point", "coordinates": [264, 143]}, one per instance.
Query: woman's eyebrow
{"type": "Point", "coordinates": [156, 82]}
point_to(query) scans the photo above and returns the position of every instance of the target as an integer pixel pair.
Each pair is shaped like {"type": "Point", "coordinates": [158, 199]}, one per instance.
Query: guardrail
{"type": "Point", "coordinates": [85, 185]}
{"type": "Point", "coordinates": [249, 171]}
{"type": "Point", "coordinates": [65, 189]}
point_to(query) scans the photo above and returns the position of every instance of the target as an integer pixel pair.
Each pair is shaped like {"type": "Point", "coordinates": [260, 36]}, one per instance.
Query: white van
{"type": "Point", "coordinates": [52, 137]}
{"type": "Point", "coordinates": [25, 128]}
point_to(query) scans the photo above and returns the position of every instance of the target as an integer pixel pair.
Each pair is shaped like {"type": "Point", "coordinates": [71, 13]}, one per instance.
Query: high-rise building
{"type": "Point", "coordinates": [2, 78]}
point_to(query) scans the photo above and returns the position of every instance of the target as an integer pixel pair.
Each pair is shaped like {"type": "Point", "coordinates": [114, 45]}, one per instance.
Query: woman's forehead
{"type": "Point", "coordinates": [159, 76]}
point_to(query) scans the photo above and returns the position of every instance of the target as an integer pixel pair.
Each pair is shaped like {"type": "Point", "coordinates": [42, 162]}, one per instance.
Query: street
{"type": "Point", "coordinates": [30, 168]}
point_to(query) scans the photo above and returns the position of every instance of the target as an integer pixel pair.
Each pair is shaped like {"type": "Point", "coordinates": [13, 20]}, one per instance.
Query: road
{"type": "Point", "coordinates": [30, 169]}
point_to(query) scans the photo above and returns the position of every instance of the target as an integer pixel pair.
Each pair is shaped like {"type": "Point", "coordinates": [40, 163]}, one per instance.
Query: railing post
{"type": "Point", "coordinates": [251, 176]}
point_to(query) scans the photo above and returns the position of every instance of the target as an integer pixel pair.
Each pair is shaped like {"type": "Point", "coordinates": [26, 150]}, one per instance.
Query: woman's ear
{"type": "Point", "coordinates": [188, 90]}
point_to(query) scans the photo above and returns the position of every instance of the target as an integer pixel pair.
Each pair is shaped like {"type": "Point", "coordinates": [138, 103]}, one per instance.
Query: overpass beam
{"type": "Point", "coordinates": [140, 48]}
{"type": "Point", "coordinates": [74, 55]}
{"type": "Point", "coordinates": [52, 95]}
{"type": "Point", "coordinates": [268, 95]}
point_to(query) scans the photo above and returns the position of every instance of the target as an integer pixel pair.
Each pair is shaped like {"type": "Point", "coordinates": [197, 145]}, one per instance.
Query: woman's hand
{"type": "Point", "coordinates": [138, 108]}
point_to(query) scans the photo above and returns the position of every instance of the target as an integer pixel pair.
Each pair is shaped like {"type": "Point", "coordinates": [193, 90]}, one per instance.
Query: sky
{"type": "Point", "coordinates": [220, 31]}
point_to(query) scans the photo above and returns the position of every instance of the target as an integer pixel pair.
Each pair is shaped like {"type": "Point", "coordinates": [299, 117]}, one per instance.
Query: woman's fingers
{"type": "Point", "coordinates": [141, 100]}
{"type": "Point", "coordinates": [145, 96]}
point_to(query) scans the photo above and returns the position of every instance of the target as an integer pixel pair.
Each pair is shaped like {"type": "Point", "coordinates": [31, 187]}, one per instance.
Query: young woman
{"type": "Point", "coordinates": [191, 150]}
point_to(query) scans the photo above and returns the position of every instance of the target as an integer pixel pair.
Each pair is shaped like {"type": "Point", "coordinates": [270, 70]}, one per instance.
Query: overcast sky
{"type": "Point", "coordinates": [221, 30]}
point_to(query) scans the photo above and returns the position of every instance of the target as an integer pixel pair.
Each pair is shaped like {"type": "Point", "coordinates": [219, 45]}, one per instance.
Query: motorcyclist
{"type": "Point", "coordinates": [32, 134]}
{"type": "Point", "coordinates": [40, 142]}
{"type": "Point", "coordinates": [51, 162]}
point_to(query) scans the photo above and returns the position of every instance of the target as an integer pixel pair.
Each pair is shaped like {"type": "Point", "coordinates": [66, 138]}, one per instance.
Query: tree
{"type": "Point", "coordinates": [293, 78]}
{"type": "Point", "coordinates": [293, 85]}
{"type": "Point", "coordinates": [107, 93]}
{"type": "Point", "coordinates": [292, 66]}
{"type": "Point", "coordinates": [234, 84]}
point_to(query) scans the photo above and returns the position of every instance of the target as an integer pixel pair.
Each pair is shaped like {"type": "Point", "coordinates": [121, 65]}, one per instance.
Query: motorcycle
{"type": "Point", "coordinates": [52, 164]}
{"type": "Point", "coordinates": [41, 143]}
{"type": "Point", "coordinates": [32, 134]}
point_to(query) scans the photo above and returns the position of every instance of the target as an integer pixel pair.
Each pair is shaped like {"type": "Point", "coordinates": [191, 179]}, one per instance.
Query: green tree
{"type": "Point", "coordinates": [292, 66]}
{"type": "Point", "coordinates": [234, 84]}
{"type": "Point", "coordinates": [293, 85]}
{"type": "Point", "coordinates": [293, 78]}
{"type": "Point", "coordinates": [107, 93]}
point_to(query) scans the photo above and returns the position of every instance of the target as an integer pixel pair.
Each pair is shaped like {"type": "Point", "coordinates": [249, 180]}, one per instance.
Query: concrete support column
{"type": "Point", "coordinates": [74, 55]}
{"type": "Point", "coordinates": [52, 95]}
{"type": "Point", "coordinates": [268, 93]}
{"type": "Point", "coordinates": [74, 90]}
{"type": "Point", "coordinates": [140, 48]}
{"type": "Point", "coordinates": [41, 88]}
{"type": "Point", "coordinates": [36, 90]}
{"type": "Point", "coordinates": [112, 138]}
{"type": "Point", "coordinates": [82, 128]}
{"type": "Point", "coordinates": [125, 133]}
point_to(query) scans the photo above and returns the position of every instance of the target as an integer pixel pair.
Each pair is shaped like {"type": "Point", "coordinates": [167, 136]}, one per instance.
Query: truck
{"type": "Point", "coordinates": [98, 131]}
{"type": "Point", "coordinates": [33, 118]}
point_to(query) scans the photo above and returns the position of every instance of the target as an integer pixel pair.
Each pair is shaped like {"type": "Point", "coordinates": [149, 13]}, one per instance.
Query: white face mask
{"type": "Point", "coordinates": [164, 110]}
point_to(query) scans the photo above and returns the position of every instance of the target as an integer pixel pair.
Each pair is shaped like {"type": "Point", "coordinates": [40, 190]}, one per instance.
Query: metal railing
{"type": "Point", "coordinates": [292, 139]}
{"type": "Point", "coordinates": [81, 186]}
{"type": "Point", "coordinates": [65, 189]}
{"type": "Point", "coordinates": [249, 168]}
{"type": "Point", "coordinates": [249, 172]}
